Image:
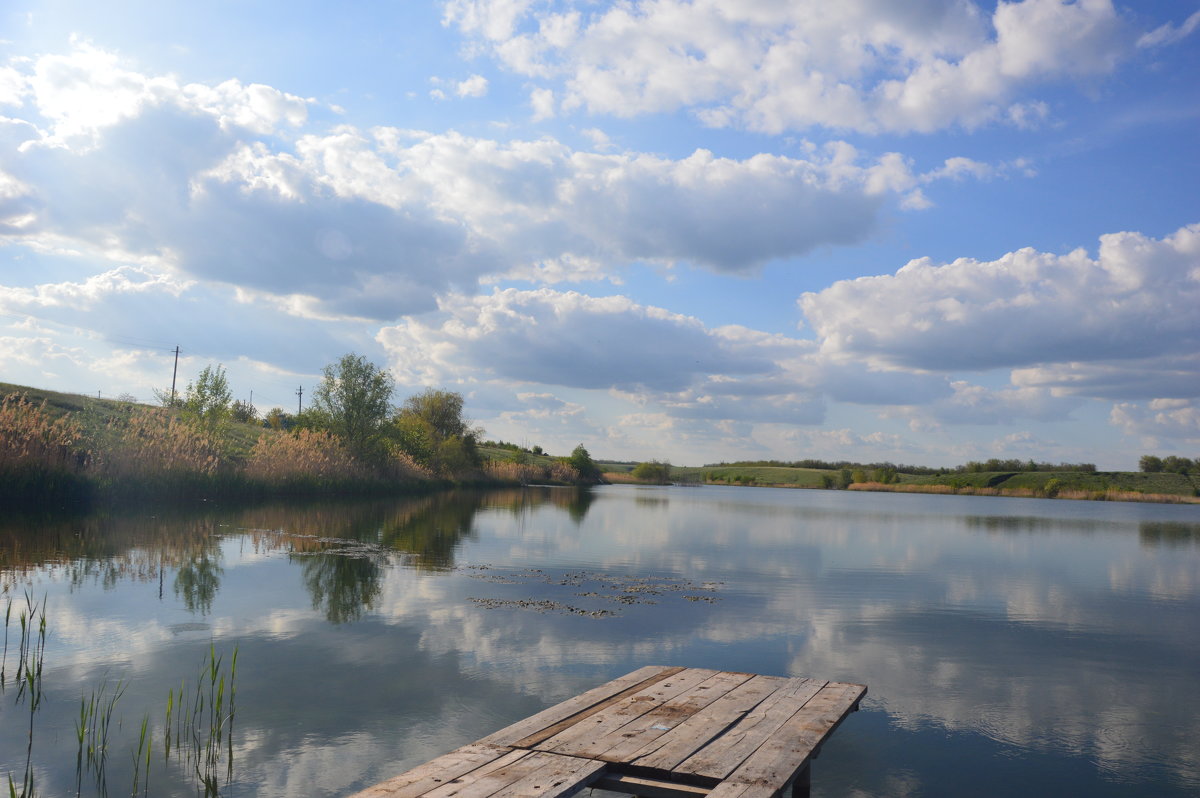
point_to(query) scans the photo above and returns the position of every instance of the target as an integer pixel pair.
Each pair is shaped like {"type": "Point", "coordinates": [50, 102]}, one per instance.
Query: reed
{"type": "Point", "coordinates": [152, 451]}
{"type": "Point", "coordinates": [31, 655]}
{"type": "Point", "coordinates": [42, 459]}
{"type": "Point", "coordinates": [304, 458]}
{"type": "Point", "coordinates": [199, 722]}
{"type": "Point", "coordinates": [528, 473]}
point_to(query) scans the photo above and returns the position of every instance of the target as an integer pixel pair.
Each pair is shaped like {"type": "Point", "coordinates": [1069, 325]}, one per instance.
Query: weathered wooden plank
{"type": "Point", "coordinates": [558, 777]}
{"type": "Point", "coordinates": [735, 789]}
{"type": "Point", "coordinates": [779, 757]}
{"type": "Point", "coordinates": [620, 744]}
{"type": "Point", "coordinates": [577, 738]}
{"type": "Point", "coordinates": [687, 738]}
{"type": "Point", "coordinates": [490, 778]}
{"type": "Point", "coordinates": [724, 754]}
{"type": "Point", "coordinates": [650, 788]}
{"type": "Point", "coordinates": [529, 731]}
{"type": "Point", "coordinates": [435, 772]}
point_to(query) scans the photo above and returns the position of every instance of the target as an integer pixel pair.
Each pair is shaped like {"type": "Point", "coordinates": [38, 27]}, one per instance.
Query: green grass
{"type": "Point", "coordinates": [1136, 481]}
{"type": "Point", "coordinates": [753, 475]}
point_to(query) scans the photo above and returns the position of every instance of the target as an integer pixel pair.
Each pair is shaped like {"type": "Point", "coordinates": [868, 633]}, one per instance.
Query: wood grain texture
{"type": "Point", "coordinates": [624, 743]}
{"type": "Point", "coordinates": [687, 738]}
{"type": "Point", "coordinates": [779, 757]}
{"type": "Point", "coordinates": [529, 731]}
{"type": "Point", "coordinates": [435, 772]}
{"type": "Point", "coordinates": [658, 732]}
{"type": "Point", "coordinates": [724, 754]}
{"type": "Point", "coordinates": [579, 738]}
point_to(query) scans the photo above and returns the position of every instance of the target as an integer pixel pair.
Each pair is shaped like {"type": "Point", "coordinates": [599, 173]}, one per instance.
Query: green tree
{"type": "Point", "coordinates": [354, 401]}
{"type": "Point", "coordinates": [441, 410]}
{"type": "Point", "coordinates": [431, 428]}
{"type": "Point", "coordinates": [243, 412]}
{"type": "Point", "coordinates": [278, 419]}
{"type": "Point", "coordinates": [658, 472]}
{"type": "Point", "coordinates": [582, 462]}
{"type": "Point", "coordinates": [1176, 465]}
{"type": "Point", "coordinates": [209, 396]}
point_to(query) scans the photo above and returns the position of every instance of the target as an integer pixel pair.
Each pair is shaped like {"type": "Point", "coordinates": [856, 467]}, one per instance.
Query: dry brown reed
{"type": "Point", "coordinates": [28, 435]}
{"type": "Point", "coordinates": [526, 473]}
{"type": "Point", "coordinates": [319, 459]}
{"type": "Point", "coordinates": [279, 458]}
{"type": "Point", "coordinates": [42, 459]}
{"type": "Point", "coordinates": [151, 444]}
{"type": "Point", "coordinates": [620, 478]}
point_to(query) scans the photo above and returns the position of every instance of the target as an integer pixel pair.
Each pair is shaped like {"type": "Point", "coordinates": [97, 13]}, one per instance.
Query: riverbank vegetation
{"type": "Point", "coordinates": [59, 449]}
{"type": "Point", "coordinates": [1171, 479]}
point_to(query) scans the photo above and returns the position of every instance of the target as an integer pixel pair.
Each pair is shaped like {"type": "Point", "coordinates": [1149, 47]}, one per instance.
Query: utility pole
{"type": "Point", "coordinates": [299, 399]}
{"type": "Point", "coordinates": [174, 371]}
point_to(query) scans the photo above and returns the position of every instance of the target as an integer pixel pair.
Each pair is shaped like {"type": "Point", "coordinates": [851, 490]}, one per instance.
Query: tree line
{"type": "Point", "coordinates": [971, 467]}
{"type": "Point", "coordinates": [1152, 464]}
{"type": "Point", "coordinates": [355, 403]}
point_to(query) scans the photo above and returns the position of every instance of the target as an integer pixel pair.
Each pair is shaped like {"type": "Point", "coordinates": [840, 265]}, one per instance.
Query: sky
{"type": "Point", "coordinates": [925, 232]}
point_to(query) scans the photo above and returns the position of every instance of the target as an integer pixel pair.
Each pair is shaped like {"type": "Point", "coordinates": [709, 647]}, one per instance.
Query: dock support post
{"type": "Point", "coordinates": [802, 782]}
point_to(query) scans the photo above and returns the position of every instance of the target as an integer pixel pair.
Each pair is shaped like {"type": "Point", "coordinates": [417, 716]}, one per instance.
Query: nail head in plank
{"type": "Point", "coordinates": [530, 731]}
{"type": "Point", "coordinates": [435, 772]}
{"type": "Point", "coordinates": [622, 744]}
{"type": "Point", "coordinates": [778, 758]}
{"type": "Point", "coordinates": [724, 754]}
{"type": "Point", "coordinates": [464, 785]}
{"type": "Point", "coordinates": [687, 738]}
{"type": "Point", "coordinates": [558, 777]}
{"type": "Point", "coordinates": [578, 739]}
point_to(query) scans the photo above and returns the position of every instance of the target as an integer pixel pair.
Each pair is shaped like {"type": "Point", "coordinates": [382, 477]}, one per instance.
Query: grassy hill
{"type": "Point", "coordinates": [752, 475]}
{"type": "Point", "coordinates": [1131, 481]}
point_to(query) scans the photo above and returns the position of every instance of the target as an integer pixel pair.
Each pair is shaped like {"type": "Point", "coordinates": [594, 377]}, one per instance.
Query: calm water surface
{"type": "Point", "coordinates": [1011, 647]}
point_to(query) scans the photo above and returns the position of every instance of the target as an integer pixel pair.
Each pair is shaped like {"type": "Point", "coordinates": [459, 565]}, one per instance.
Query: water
{"type": "Point", "coordinates": [1010, 646]}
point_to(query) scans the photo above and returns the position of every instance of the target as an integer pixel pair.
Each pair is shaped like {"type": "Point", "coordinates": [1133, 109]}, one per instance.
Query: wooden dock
{"type": "Point", "coordinates": [658, 732]}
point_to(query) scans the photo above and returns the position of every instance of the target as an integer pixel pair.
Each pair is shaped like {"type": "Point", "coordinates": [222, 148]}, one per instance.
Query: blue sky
{"type": "Point", "coordinates": [924, 232]}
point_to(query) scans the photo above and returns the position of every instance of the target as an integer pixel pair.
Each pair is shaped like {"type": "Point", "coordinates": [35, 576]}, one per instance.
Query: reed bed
{"type": "Point", "coordinates": [155, 454]}
{"type": "Point", "coordinates": [152, 451]}
{"type": "Point", "coordinates": [303, 459]}
{"type": "Point", "coordinates": [42, 459]}
{"type": "Point", "coordinates": [527, 473]}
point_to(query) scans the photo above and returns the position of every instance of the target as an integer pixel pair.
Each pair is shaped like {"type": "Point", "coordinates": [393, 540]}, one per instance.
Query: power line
{"type": "Point", "coordinates": [122, 340]}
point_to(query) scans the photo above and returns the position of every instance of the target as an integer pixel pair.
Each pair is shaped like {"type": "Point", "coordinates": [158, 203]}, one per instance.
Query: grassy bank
{"type": "Point", "coordinates": [59, 449]}
{"type": "Point", "coordinates": [1096, 485]}
{"type": "Point", "coordinates": [1108, 494]}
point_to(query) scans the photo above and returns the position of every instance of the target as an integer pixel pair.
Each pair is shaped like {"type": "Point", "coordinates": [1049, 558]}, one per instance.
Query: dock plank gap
{"type": "Point", "coordinates": [658, 732]}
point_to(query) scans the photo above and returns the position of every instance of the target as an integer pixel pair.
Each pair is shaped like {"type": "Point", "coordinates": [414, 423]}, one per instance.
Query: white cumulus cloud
{"type": "Point", "coordinates": [1138, 299]}
{"type": "Point", "coordinates": [777, 65]}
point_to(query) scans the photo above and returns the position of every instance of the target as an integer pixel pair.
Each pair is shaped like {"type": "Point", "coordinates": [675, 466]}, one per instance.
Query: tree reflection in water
{"type": "Point", "coordinates": [343, 548]}
{"type": "Point", "coordinates": [198, 580]}
{"type": "Point", "coordinates": [342, 585]}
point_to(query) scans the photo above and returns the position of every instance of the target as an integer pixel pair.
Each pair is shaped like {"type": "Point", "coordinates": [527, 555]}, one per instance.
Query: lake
{"type": "Point", "coordinates": [1011, 646]}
